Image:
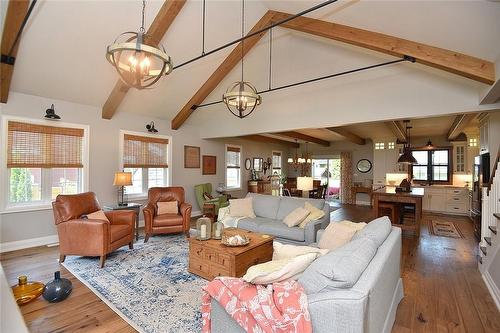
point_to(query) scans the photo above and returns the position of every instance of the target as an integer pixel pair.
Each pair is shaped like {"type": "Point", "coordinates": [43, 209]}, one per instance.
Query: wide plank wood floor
{"type": "Point", "coordinates": [444, 291]}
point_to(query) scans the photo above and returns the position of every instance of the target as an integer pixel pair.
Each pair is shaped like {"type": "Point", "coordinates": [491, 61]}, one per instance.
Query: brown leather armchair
{"type": "Point", "coordinates": [86, 237]}
{"type": "Point", "coordinates": [166, 223]}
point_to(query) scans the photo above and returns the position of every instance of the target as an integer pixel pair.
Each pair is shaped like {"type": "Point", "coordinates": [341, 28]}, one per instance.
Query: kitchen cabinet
{"type": "Point", "coordinates": [448, 200]}
{"type": "Point", "coordinates": [459, 157]}
{"type": "Point", "coordinates": [385, 160]}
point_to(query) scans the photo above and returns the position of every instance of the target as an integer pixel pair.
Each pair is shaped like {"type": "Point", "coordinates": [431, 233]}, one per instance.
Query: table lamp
{"type": "Point", "coordinates": [122, 179]}
{"type": "Point", "coordinates": [305, 184]}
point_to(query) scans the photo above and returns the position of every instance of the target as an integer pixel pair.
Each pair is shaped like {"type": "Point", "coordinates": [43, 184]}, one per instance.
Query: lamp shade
{"type": "Point", "coordinates": [123, 179]}
{"type": "Point", "coordinates": [305, 183]}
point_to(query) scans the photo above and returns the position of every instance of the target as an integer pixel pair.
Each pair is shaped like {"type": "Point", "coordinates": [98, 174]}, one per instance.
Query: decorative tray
{"type": "Point", "coordinates": [234, 240]}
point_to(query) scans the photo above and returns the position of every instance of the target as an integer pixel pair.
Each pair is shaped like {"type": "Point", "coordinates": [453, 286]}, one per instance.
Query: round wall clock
{"type": "Point", "coordinates": [364, 165]}
{"type": "Point", "coordinates": [248, 164]}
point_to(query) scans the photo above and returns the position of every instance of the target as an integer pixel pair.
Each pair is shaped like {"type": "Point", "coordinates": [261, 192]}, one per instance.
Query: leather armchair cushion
{"type": "Point", "coordinates": [119, 231]}
{"type": "Point", "coordinates": [166, 220]}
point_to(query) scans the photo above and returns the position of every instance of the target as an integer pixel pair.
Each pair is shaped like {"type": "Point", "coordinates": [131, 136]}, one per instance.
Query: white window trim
{"type": "Point", "coordinates": [144, 195]}
{"type": "Point", "coordinates": [4, 204]}
{"type": "Point", "coordinates": [281, 160]}
{"type": "Point", "coordinates": [225, 167]}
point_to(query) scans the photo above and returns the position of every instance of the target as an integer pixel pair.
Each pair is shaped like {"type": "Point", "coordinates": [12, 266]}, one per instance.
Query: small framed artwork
{"type": "Point", "coordinates": [258, 163]}
{"type": "Point", "coordinates": [192, 157]}
{"type": "Point", "coordinates": [209, 165]}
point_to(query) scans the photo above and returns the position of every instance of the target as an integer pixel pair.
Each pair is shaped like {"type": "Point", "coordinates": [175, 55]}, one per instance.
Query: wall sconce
{"type": "Point", "coordinates": [151, 127]}
{"type": "Point", "coordinates": [50, 113]}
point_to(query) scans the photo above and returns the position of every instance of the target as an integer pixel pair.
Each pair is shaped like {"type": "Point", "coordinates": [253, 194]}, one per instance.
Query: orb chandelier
{"type": "Point", "coordinates": [241, 97]}
{"type": "Point", "coordinates": [138, 64]}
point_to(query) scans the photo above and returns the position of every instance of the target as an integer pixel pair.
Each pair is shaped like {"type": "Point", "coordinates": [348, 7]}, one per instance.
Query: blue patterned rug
{"type": "Point", "coordinates": [148, 286]}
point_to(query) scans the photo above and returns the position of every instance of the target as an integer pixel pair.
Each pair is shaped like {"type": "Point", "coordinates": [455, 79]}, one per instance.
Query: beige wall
{"type": "Point", "coordinates": [104, 158]}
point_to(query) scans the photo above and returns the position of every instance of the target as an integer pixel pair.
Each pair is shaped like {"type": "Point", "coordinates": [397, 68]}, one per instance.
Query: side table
{"type": "Point", "coordinates": [129, 206]}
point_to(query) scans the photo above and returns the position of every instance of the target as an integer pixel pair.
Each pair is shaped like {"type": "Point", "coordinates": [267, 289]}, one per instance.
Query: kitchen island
{"type": "Point", "coordinates": [388, 194]}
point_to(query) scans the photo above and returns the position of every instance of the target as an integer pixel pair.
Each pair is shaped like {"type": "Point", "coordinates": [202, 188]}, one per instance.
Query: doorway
{"type": "Point", "coordinates": [327, 170]}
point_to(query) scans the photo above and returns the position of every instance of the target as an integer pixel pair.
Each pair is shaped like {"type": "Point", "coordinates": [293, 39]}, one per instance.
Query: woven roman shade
{"type": "Point", "coordinates": [233, 157]}
{"type": "Point", "coordinates": [40, 146]}
{"type": "Point", "coordinates": [144, 152]}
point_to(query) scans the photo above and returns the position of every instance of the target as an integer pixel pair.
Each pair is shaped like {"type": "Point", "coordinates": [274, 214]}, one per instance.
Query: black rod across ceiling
{"type": "Point", "coordinates": [203, 55]}
{"type": "Point", "coordinates": [405, 58]}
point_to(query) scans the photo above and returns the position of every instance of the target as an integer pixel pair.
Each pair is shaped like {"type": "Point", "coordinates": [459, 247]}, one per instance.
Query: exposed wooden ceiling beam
{"type": "Point", "coordinates": [305, 137]}
{"type": "Point", "coordinates": [454, 62]}
{"type": "Point", "coordinates": [220, 73]}
{"type": "Point", "coordinates": [267, 139]}
{"type": "Point", "coordinates": [166, 15]}
{"type": "Point", "coordinates": [459, 124]}
{"type": "Point", "coordinates": [348, 135]}
{"type": "Point", "coordinates": [16, 11]}
{"type": "Point", "coordinates": [398, 130]}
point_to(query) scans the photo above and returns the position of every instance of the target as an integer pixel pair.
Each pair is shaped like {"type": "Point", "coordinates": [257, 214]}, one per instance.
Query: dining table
{"type": "Point", "coordinates": [388, 194]}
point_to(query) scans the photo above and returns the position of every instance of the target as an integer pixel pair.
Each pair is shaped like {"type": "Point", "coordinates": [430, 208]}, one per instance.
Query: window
{"type": "Point", "coordinates": [43, 162]}
{"type": "Point", "coordinates": [276, 166]}
{"type": "Point", "coordinates": [147, 158]}
{"type": "Point", "coordinates": [432, 165]}
{"type": "Point", "coordinates": [379, 145]}
{"type": "Point", "coordinates": [473, 142]}
{"type": "Point", "coordinates": [233, 167]}
{"type": "Point", "coordinates": [391, 145]}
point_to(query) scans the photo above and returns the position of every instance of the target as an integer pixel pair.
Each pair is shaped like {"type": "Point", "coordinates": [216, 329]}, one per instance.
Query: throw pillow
{"type": "Point", "coordinates": [377, 230]}
{"type": "Point", "coordinates": [167, 207]}
{"type": "Point", "coordinates": [207, 196]}
{"type": "Point", "coordinates": [354, 225]}
{"type": "Point", "coordinates": [98, 215]}
{"type": "Point", "coordinates": [278, 270]}
{"type": "Point", "coordinates": [336, 235]}
{"type": "Point", "coordinates": [340, 268]}
{"type": "Point", "coordinates": [241, 207]}
{"type": "Point", "coordinates": [288, 251]}
{"type": "Point", "coordinates": [296, 216]}
{"type": "Point", "coordinates": [314, 214]}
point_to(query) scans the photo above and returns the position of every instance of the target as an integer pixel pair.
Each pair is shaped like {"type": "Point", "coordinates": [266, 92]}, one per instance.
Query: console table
{"type": "Point", "coordinates": [130, 206]}
{"type": "Point", "coordinates": [362, 189]}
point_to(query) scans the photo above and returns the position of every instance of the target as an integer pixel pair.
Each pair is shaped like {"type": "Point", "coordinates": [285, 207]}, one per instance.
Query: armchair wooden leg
{"type": "Point", "coordinates": [62, 257]}
{"type": "Point", "coordinates": [146, 238]}
{"type": "Point", "coordinates": [131, 245]}
{"type": "Point", "coordinates": [102, 260]}
{"type": "Point", "coordinates": [187, 233]}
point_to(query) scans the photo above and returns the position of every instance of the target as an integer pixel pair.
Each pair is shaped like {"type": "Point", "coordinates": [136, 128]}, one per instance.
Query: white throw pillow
{"type": "Point", "coordinates": [278, 270]}
{"type": "Point", "coordinates": [336, 235]}
{"type": "Point", "coordinates": [98, 215]}
{"type": "Point", "coordinates": [288, 251]}
{"type": "Point", "coordinates": [241, 207]}
{"type": "Point", "coordinates": [315, 214]}
{"type": "Point", "coordinates": [296, 216]}
{"type": "Point", "coordinates": [357, 226]}
{"type": "Point", "coordinates": [167, 207]}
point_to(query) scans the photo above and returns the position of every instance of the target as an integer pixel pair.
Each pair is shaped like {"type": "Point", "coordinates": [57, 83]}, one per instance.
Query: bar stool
{"type": "Point", "coordinates": [388, 207]}
{"type": "Point", "coordinates": [406, 210]}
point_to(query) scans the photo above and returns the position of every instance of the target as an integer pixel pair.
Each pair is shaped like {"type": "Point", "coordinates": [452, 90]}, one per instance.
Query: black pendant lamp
{"type": "Point", "coordinates": [407, 157]}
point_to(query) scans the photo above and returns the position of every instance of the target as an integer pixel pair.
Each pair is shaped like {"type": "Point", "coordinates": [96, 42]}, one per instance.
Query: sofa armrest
{"type": "Point", "coordinates": [126, 217]}
{"type": "Point", "coordinates": [319, 234]}
{"type": "Point", "coordinates": [185, 210]}
{"type": "Point", "coordinates": [83, 237]}
{"type": "Point", "coordinates": [313, 227]}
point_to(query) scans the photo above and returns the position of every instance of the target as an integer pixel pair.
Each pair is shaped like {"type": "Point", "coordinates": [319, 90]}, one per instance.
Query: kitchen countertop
{"type": "Point", "coordinates": [391, 190]}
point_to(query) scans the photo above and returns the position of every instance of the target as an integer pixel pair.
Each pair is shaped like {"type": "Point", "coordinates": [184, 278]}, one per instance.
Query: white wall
{"type": "Point", "coordinates": [104, 158]}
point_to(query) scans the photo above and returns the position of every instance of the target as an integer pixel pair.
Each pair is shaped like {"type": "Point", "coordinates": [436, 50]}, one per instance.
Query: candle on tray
{"type": "Point", "coordinates": [203, 231]}
{"type": "Point", "coordinates": [217, 231]}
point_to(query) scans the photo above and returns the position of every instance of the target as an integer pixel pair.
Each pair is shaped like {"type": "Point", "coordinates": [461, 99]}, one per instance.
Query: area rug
{"type": "Point", "coordinates": [445, 229]}
{"type": "Point", "coordinates": [148, 286]}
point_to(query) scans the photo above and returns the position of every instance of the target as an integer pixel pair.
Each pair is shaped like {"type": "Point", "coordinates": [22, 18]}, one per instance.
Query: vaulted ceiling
{"type": "Point", "coordinates": [61, 56]}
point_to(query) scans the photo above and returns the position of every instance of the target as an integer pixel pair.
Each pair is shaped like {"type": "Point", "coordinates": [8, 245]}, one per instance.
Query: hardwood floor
{"type": "Point", "coordinates": [444, 291]}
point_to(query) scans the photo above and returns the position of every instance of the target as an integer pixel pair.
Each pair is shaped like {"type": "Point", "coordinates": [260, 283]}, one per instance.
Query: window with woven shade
{"type": "Point", "coordinates": [43, 161]}
{"type": "Point", "coordinates": [146, 157]}
{"type": "Point", "coordinates": [276, 163]}
{"type": "Point", "coordinates": [233, 167]}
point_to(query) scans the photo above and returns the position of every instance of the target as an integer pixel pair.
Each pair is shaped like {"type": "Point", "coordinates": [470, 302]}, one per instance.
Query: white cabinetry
{"type": "Point", "coordinates": [459, 157]}
{"type": "Point", "coordinates": [449, 200]}
{"type": "Point", "coordinates": [385, 160]}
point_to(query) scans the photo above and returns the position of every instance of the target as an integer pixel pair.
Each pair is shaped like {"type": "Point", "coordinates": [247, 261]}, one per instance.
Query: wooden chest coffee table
{"type": "Point", "coordinates": [210, 258]}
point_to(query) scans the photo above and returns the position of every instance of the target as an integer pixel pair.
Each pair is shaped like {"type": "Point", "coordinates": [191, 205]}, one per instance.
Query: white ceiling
{"type": "Point", "coordinates": [61, 55]}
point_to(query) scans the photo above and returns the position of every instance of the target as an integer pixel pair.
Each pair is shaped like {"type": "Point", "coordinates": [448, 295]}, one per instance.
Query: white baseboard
{"type": "Point", "coordinates": [27, 243]}
{"type": "Point", "coordinates": [492, 288]}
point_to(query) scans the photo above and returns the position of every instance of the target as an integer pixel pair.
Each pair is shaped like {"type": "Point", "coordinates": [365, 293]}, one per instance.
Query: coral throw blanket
{"type": "Point", "coordinates": [280, 307]}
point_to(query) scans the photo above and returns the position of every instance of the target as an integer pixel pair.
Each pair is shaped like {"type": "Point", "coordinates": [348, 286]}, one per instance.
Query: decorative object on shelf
{"type": "Point", "coordinates": [234, 240]}
{"type": "Point", "coordinates": [191, 157]}
{"type": "Point", "coordinates": [241, 97]}
{"type": "Point", "coordinates": [122, 179]}
{"type": "Point", "coordinates": [151, 127]}
{"type": "Point", "coordinates": [217, 229]}
{"type": "Point", "coordinates": [50, 114]}
{"type": "Point", "coordinates": [404, 186]}
{"type": "Point", "coordinates": [58, 289]}
{"type": "Point", "coordinates": [26, 291]}
{"type": "Point", "coordinates": [407, 156]}
{"type": "Point", "coordinates": [364, 165]}
{"type": "Point", "coordinates": [209, 165]}
{"type": "Point", "coordinates": [203, 228]}
{"type": "Point", "coordinates": [248, 164]}
{"type": "Point", "coordinates": [253, 174]}
{"type": "Point", "coordinates": [257, 164]}
{"type": "Point", "coordinates": [138, 64]}
{"type": "Point", "coordinates": [305, 184]}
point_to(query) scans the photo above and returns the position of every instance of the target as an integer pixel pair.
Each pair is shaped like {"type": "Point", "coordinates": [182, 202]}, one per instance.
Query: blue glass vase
{"type": "Point", "coordinates": [58, 289]}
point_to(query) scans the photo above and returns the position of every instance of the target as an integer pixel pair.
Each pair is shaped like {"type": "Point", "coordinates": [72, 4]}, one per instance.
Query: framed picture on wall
{"type": "Point", "coordinates": [209, 165]}
{"type": "Point", "coordinates": [192, 157]}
